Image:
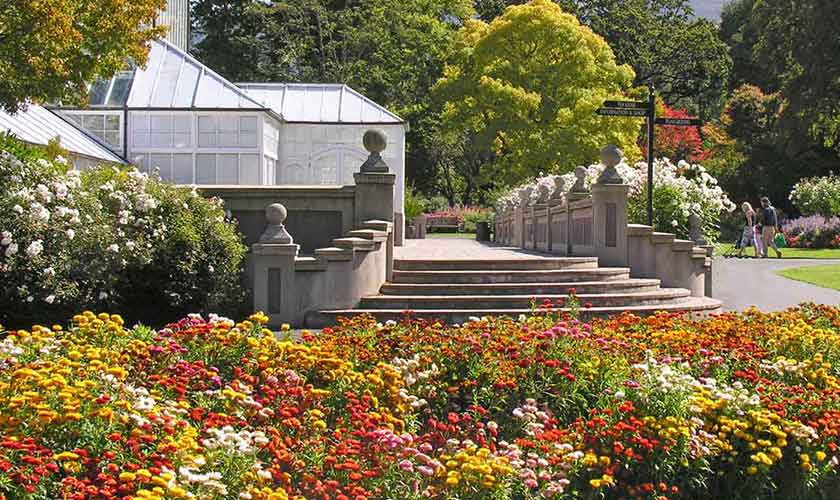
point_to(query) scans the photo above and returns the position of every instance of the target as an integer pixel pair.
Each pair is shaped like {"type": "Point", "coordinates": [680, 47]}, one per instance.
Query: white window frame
{"type": "Point", "coordinates": [258, 147]}
{"type": "Point", "coordinates": [100, 112]}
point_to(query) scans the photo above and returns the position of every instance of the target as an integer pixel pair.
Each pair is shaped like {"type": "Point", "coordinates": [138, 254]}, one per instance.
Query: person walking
{"type": "Point", "coordinates": [769, 221]}
{"type": "Point", "coordinates": [748, 234]}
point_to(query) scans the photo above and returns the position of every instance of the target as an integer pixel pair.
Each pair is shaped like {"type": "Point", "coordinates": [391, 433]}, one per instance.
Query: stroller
{"type": "Point", "coordinates": [754, 237]}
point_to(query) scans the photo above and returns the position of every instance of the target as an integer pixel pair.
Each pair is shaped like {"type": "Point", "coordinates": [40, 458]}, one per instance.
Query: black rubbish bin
{"type": "Point", "coordinates": [482, 231]}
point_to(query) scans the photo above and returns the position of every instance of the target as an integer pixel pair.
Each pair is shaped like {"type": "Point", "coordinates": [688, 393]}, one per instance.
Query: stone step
{"type": "Point", "coordinates": [581, 287]}
{"type": "Point", "coordinates": [527, 276]}
{"type": "Point", "coordinates": [695, 306]}
{"type": "Point", "coordinates": [494, 302]}
{"type": "Point", "coordinates": [514, 264]}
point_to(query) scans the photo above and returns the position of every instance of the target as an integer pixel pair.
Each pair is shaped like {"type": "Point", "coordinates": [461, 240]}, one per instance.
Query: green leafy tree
{"type": "Point", "coordinates": [52, 50]}
{"type": "Point", "coordinates": [661, 39]}
{"type": "Point", "coordinates": [799, 44]}
{"type": "Point", "coordinates": [527, 86]}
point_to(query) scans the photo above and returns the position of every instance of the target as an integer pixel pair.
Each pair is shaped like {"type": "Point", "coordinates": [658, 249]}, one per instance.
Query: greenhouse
{"type": "Point", "coordinates": [194, 126]}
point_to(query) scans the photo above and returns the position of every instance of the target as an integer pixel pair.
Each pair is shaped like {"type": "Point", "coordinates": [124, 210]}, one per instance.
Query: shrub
{"type": "Point", "coordinates": [817, 196]}
{"type": "Point", "coordinates": [733, 407]}
{"type": "Point", "coordinates": [415, 203]}
{"type": "Point", "coordinates": [109, 238]}
{"type": "Point", "coordinates": [812, 232]}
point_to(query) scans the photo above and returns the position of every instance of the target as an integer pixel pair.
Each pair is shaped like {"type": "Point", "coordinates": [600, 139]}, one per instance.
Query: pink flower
{"type": "Point", "coordinates": [406, 466]}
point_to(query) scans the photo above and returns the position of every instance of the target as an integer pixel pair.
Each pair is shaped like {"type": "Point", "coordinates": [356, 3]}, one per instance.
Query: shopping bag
{"type": "Point", "coordinates": [780, 240]}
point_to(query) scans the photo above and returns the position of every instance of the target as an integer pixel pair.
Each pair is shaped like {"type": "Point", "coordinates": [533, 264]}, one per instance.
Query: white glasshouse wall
{"type": "Point", "coordinates": [179, 117]}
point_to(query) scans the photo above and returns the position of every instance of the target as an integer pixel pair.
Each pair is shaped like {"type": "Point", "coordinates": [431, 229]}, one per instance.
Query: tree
{"type": "Point", "coordinates": [527, 86]}
{"type": "Point", "coordinates": [740, 34]}
{"type": "Point", "coordinates": [675, 142]}
{"type": "Point", "coordinates": [52, 50]}
{"type": "Point", "coordinates": [799, 45]}
{"type": "Point", "coordinates": [660, 39]}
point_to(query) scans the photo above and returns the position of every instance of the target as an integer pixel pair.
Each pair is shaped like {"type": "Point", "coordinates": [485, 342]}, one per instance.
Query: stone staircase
{"type": "Point", "coordinates": [455, 290]}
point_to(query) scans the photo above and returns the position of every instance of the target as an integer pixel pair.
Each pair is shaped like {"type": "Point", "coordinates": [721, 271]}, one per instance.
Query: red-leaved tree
{"type": "Point", "coordinates": [677, 142]}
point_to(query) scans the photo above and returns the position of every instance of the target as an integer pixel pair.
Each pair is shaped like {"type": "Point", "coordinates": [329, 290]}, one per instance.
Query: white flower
{"type": "Point", "coordinates": [18, 209]}
{"type": "Point", "coordinates": [675, 223]}
{"type": "Point", "coordinates": [70, 234]}
{"type": "Point", "coordinates": [30, 298]}
{"type": "Point", "coordinates": [49, 272]}
{"type": "Point", "coordinates": [114, 248]}
{"type": "Point", "coordinates": [103, 295]}
{"type": "Point", "coordinates": [50, 299]}
{"type": "Point", "coordinates": [35, 248]}
{"type": "Point", "coordinates": [61, 160]}
{"type": "Point", "coordinates": [11, 249]}
{"type": "Point", "coordinates": [130, 245]}
{"type": "Point", "coordinates": [6, 238]}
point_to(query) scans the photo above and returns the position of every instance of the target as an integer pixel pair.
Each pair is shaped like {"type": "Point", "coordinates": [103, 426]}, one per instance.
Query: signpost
{"type": "Point", "coordinates": [646, 110]}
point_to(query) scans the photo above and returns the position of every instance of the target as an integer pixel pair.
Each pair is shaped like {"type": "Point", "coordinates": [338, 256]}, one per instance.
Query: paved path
{"type": "Point", "coordinates": [460, 249]}
{"type": "Point", "coordinates": [741, 283]}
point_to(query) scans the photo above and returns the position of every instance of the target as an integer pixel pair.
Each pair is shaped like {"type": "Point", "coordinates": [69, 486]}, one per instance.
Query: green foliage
{"type": "Point", "coordinates": [755, 156]}
{"type": "Point", "coordinates": [415, 203]}
{"type": "Point", "coordinates": [799, 45]}
{"type": "Point", "coordinates": [51, 50]}
{"type": "Point", "coordinates": [526, 87]}
{"type": "Point", "coordinates": [109, 238]}
{"type": "Point", "coordinates": [817, 196]}
{"type": "Point", "coordinates": [661, 39]}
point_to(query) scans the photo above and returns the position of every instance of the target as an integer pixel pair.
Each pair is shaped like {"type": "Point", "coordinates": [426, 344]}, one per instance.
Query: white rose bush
{"type": "Point", "coordinates": [680, 189]}
{"type": "Point", "coordinates": [108, 237]}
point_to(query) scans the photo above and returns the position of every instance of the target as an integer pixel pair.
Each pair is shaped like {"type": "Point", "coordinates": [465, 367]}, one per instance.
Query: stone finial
{"type": "Point", "coordinates": [375, 143]}
{"type": "Point", "coordinates": [543, 193]}
{"type": "Point", "coordinates": [275, 231]}
{"type": "Point", "coordinates": [559, 188]}
{"type": "Point", "coordinates": [580, 182]}
{"type": "Point", "coordinates": [525, 195]}
{"type": "Point", "coordinates": [610, 157]}
{"type": "Point", "coordinates": [695, 230]}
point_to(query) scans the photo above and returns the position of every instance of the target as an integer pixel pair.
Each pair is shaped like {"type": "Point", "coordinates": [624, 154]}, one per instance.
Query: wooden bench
{"type": "Point", "coordinates": [443, 224]}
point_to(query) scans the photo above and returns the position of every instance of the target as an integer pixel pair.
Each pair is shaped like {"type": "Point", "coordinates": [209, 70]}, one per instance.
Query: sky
{"type": "Point", "coordinates": [708, 8]}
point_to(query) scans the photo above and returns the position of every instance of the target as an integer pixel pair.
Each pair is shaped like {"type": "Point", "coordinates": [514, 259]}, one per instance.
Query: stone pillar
{"type": "Point", "coordinates": [609, 210]}
{"type": "Point", "coordinates": [374, 183]}
{"type": "Point", "coordinates": [274, 270]}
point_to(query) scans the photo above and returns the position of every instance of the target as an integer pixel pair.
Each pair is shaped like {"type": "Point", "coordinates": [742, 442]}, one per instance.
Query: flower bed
{"type": "Point", "coordinates": [814, 231]}
{"type": "Point", "coordinates": [733, 407]}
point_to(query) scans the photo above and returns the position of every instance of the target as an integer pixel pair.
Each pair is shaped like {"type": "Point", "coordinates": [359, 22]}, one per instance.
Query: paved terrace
{"type": "Point", "coordinates": [460, 249]}
{"type": "Point", "coordinates": [739, 283]}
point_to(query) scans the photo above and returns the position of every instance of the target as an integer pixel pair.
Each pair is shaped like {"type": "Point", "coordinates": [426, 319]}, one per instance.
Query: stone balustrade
{"type": "Point", "coordinates": [595, 224]}
{"type": "Point", "coordinates": [291, 288]}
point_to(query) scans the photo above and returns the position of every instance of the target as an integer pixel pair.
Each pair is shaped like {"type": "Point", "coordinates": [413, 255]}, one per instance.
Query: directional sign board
{"type": "Point", "coordinates": [622, 112]}
{"type": "Point", "coordinates": [626, 104]}
{"type": "Point", "coordinates": [684, 122]}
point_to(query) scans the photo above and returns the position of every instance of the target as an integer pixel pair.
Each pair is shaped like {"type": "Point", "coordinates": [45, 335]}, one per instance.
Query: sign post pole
{"type": "Point", "coordinates": [650, 123]}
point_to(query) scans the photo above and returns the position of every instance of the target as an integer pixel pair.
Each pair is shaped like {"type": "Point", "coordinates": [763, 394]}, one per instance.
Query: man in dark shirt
{"type": "Point", "coordinates": [769, 226]}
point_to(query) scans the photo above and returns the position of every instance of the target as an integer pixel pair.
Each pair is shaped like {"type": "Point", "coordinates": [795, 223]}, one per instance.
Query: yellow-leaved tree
{"type": "Point", "coordinates": [52, 49]}
{"type": "Point", "coordinates": [527, 86]}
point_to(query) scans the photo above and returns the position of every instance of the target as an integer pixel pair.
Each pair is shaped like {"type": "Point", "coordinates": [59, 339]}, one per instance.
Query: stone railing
{"type": "Point", "coordinates": [292, 288]}
{"type": "Point", "coordinates": [595, 224]}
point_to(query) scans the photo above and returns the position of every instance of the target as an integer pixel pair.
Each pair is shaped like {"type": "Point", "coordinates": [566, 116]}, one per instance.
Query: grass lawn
{"type": "Point", "coordinates": [452, 235]}
{"type": "Point", "coordinates": [826, 276]}
{"type": "Point", "coordinates": [787, 253]}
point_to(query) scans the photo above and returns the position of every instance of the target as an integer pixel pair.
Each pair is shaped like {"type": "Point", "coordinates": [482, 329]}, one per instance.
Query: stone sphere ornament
{"type": "Point", "coordinates": [580, 182]}
{"type": "Point", "coordinates": [611, 156]}
{"type": "Point", "coordinates": [375, 143]}
{"type": "Point", "coordinates": [275, 232]}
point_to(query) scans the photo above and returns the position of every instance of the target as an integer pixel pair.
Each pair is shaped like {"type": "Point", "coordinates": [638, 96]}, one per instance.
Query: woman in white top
{"type": "Point", "coordinates": [748, 234]}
